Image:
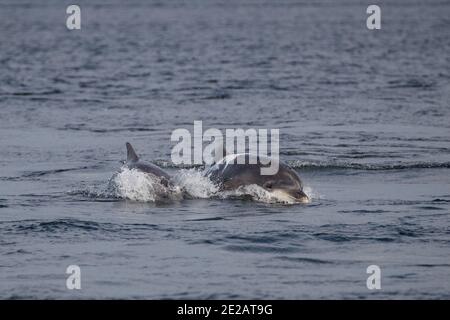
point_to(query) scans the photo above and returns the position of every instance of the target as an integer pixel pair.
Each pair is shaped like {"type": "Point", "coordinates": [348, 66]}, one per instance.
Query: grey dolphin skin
{"type": "Point", "coordinates": [133, 162]}
{"type": "Point", "coordinates": [230, 174]}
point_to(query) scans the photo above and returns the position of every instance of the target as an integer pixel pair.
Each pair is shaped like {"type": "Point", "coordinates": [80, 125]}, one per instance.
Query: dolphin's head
{"type": "Point", "coordinates": [286, 185]}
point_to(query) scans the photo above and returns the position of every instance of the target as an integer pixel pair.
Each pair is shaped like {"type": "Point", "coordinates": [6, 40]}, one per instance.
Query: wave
{"type": "Point", "coordinates": [298, 164]}
{"type": "Point", "coordinates": [40, 173]}
{"type": "Point", "coordinates": [33, 93]}
{"type": "Point", "coordinates": [334, 165]}
{"type": "Point", "coordinates": [411, 83]}
{"type": "Point", "coordinates": [82, 127]}
{"type": "Point", "coordinates": [64, 225]}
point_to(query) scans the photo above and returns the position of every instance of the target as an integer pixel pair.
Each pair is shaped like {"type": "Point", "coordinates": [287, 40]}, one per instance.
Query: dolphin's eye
{"type": "Point", "coordinates": [164, 182]}
{"type": "Point", "coordinates": [268, 185]}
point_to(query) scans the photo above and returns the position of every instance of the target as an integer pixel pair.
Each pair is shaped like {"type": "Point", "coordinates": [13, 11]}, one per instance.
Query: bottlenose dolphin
{"type": "Point", "coordinates": [133, 162]}
{"type": "Point", "coordinates": [230, 174]}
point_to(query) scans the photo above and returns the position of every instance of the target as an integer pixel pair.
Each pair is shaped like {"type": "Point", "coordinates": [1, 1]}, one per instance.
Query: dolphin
{"type": "Point", "coordinates": [133, 162]}
{"type": "Point", "coordinates": [230, 174]}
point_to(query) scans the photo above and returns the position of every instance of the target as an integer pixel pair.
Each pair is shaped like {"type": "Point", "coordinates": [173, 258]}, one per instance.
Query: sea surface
{"type": "Point", "coordinates": [363, 117]}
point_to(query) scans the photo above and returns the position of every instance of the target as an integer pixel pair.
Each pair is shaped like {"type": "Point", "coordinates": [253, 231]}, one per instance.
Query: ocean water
{"type": "Point", "coordinates": [363, 117]}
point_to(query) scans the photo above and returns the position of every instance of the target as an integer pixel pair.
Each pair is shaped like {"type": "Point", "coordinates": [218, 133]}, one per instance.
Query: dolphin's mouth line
{"type": "Point", "coordinates": [303, 200]}
{"type": "Point", "coordinates": [283, 196]}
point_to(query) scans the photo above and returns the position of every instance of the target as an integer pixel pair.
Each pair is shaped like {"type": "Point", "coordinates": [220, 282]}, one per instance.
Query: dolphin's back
{"type": "Point", "coordinates": [230, 174]}
{"type": "Point", "coordinates": [148, 168]}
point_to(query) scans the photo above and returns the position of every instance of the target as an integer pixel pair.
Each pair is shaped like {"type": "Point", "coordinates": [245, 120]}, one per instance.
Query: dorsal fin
{"type": "Point", "coordinates": [131, 155]}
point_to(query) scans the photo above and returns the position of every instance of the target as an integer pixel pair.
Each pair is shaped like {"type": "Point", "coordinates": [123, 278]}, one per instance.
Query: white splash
{"type": "Point", "coordinates": [311, 193]}
{"type": "Point", "coordinates": [195, 184]}
{"type": "Point", "coordinates": [136, 185]}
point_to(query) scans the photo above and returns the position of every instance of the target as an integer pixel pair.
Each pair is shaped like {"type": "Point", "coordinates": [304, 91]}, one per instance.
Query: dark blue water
{"type": "Point", "coordinates": [363, 116]}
